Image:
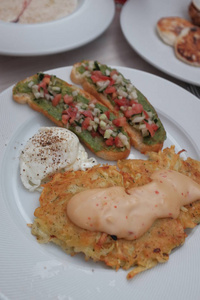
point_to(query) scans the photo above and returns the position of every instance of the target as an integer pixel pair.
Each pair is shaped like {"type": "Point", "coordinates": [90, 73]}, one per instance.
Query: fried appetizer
{"type": "Point", "coordinates": [187, 46]}
{"type": "Point", "coordinates": [70, 107]}
{"type": "Point", "coordinates": [169, 28]}
{"type": "Point", "coordinates": [52, 223]}
{"type": "Point", "coordinates": [138, 116]}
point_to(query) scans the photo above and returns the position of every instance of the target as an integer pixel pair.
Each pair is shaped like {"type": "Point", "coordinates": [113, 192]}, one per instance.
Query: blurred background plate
{"type": "Point", "coordinates": [87, 22]}
{"type": "Point", "coordinates": [138, 22]}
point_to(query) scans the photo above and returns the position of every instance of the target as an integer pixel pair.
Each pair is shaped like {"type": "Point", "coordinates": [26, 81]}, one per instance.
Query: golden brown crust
{"type": "Point", "coordinates": [135, 136]}
{"type": "Point", "coordinates": [169, 28]}
{"type": "Point", "coordinates": [187, 46]}
{"type": "Point", "coordinates": [75, 78]}
{"type": "Point", "coordinates": [23, 98]}
{"type": "Point", "coordinates": [53, 225]}
{"type": "Point", "coordinates": [194, 14]}
{"type": "Point", "coordinates": [111, 155]}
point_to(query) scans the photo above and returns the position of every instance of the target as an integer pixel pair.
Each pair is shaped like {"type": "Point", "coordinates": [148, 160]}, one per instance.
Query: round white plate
{"type": "Point", "coordinates": [87, 22]}
{"type": "Point", "coordinates": [30, 270]}
{"type": "Point", "coordinates": [138, 22]}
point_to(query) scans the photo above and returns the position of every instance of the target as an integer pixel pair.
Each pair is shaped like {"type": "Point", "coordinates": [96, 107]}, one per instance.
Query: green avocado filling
{"type": "Point", "coordinates": [97, 143]}
{"type": "Point", "coordinates": [159, 134]}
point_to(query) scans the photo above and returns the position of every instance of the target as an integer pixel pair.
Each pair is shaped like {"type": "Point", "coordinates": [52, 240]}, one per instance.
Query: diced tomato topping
{"type": "Point", "coordinates": [88, 113]}
{"type": "Point", "coordinates": [146, 114]}
{"type": "Point", "coordinates": [46, 79]}
{"type": "Point", "coordinates": [42, 84]}
{"type": "Point", "coordinates": [97, 73]}
{"type": "Point", "coordinates": [137, 109]}
{"type": "Point", "coordinates": [107, 113]}
{"type": "Point", "coordinates": [110, 141]}
{"type": "Point", "coordinates": [56, 99]}
{"type": "Point", "coordinates": [113, 72]}
{"type": "Point", "coordinates": [86, 123]}
{"type": "Point", "coordinates": [133, 102]}
{"type": "Point", "coordinates": [47, 76]}
{"type": "Point", "coordinates": [95, 78]}
{"type": "Point", "coordinates": [101, 131]}
{"type": "Point", "coordinates": [119, 122]}
{"type": "Point", "coordinates": [68, 99]}
{"type": "Point", "coordinates": [72, 119]}
{"type": "Point", "coordinates": [98, 76]}
{"type": "Point", "coordinates": [151, 128]}
{"type": "Point", "coordinates": [114, 96]}
{"type": "Point", "coordinates": [118, 142]}
{"type": "Point", "coordinates": [154, 126]}
{"type": "Point", "coordinates": [94, 133]}
{"type": "Point", "coordinates": [111, 81]}
{"type": "Point", "coordinates": [110, 90]}
{"type": "Point", "coordinates": [122, 102]}
{"type": "Point", "coordinates": [71, 113]}
{"type": "Point", "coordinates": [65, 119]}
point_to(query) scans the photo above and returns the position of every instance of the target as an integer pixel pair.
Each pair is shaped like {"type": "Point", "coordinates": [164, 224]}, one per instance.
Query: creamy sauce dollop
{"type": "Point", "coordinates": [130, 214]}
{"type": "Point", "coordinates": [49, 151]}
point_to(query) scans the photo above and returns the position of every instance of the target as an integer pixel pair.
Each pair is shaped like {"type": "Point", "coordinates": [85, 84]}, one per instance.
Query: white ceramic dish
{"type": "Point", "coordinates": [33, 271]}
{"type": "Point", "coordinates": [87, 22]}
{"type": "Point", "coordinates": [138, 22]}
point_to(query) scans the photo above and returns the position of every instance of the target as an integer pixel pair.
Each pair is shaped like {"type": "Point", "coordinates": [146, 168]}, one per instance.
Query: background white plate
{"type": "Point", "coordinates": [33, 271]}
{"type": "Point", "coordinates": [138, 22]}
{"type": "Point", "coordinates": [87, 22]}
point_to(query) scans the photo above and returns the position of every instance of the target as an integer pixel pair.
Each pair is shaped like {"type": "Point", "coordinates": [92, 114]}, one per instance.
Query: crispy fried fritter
{"type": "Point", "coordinates": [52, 223]}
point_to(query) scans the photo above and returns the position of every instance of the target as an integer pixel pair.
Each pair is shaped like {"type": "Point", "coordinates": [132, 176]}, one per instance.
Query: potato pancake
{"type": "Point", "coordinates": [53, 225]}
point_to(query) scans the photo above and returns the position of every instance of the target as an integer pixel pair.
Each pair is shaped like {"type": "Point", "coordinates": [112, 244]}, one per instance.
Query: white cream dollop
{"type": "Point", "coordinates": [51, 150]}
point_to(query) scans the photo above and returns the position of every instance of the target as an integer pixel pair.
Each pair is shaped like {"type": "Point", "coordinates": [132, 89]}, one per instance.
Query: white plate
{"type": "Point", "coordinates": [87, 22]}
{"type": "Point", "coordinates": [33, 271]}
{"type": "Point", "coordinates": [138, 22]}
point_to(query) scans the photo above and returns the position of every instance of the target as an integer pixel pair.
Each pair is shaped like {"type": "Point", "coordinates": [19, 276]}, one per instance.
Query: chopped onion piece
{"type": "Point", "coordinates": [124, 139]}
{"type": "Point", "coordinates": [91, 105]}
{"type": "Point", "coordinates": [56, 88]}
{"type": "Point", "coordinates": [74, 93]}
{"type": "Point", "coordinates": [107, 133]}
{"type": "Point", "coordinates": [145, 132]}
{"type": "Point", "coordinates": [122, 93]}
{"type": "Point", "coordinates": [114, 77]}
{"type": "Point", "coordinates": [102, 125]}
{"type": "Point", "coordinates": [78, 129]}
{"type": "Point", "coordinates": [91, 65]}
{"type": "Point", "coordinates": [133, 94]}
{"type": "Point", "coordinates": [30, 84]}
{"type": "Point", "coordinates": [96, 120]}
{"type": "Point", "coordinates": [96, 111]}
{"type": "Point", "coordinates": [138, 119]}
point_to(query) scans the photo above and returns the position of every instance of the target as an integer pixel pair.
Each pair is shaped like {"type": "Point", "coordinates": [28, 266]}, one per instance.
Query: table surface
{"type": "Point", "coordinates": [110, 48]}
